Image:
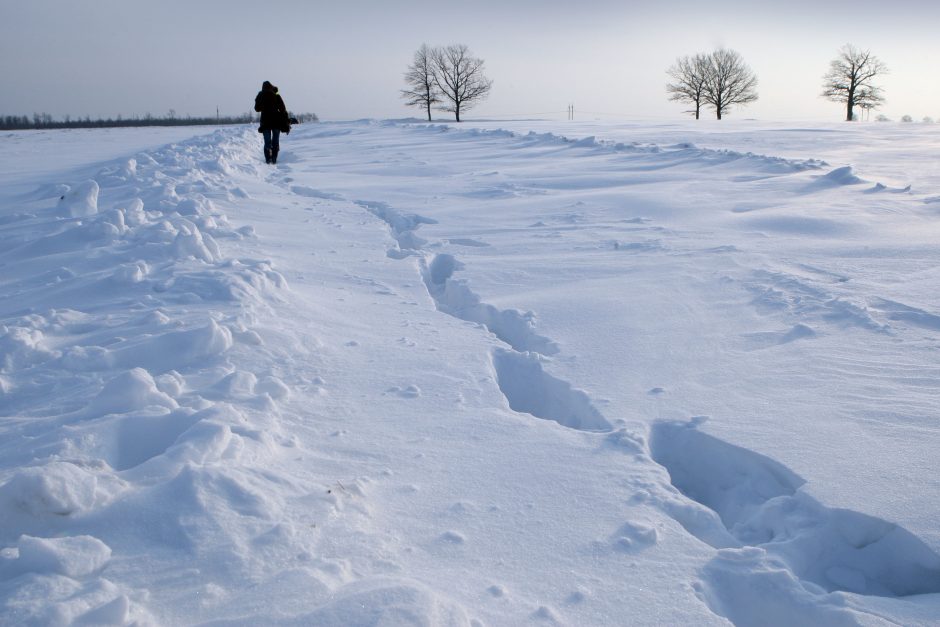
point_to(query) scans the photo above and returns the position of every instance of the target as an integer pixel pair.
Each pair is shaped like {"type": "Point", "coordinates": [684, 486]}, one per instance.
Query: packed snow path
{"type": "Point", "coordinates": [417, 374]}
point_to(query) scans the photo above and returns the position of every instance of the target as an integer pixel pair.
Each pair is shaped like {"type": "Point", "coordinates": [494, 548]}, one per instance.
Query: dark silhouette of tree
{"type": "Point", "coordinates": [422, 89]}
{"type": "Point", "coordinates": [849, 80]}
{"type": "Point", "coordinates": [689, 75]}
{"type": "Point", "coordinates": [460, 78]}
{"type": "Point", "coordinates": [729, 81]}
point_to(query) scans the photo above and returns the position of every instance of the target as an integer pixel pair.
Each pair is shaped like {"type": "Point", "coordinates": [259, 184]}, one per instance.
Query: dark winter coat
{"type": "Point", "coordinates": [273, 111]}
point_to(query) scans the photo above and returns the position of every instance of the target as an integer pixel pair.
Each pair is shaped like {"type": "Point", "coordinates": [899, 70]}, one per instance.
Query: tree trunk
{"type": "Point", "coordinates": [429, 110]}
{"type": "Point", "coordinates": [849, 105]}
{"type": "Point", "coordinates": [718, 111]}
{"type": "Point", "coordinates": [457, 112]}
{"type": "Point", "coordinates": [698, 107]}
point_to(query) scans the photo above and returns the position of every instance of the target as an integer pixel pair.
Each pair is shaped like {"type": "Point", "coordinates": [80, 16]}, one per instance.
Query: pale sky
{"type": "Point", "coordinates": [344, 59]}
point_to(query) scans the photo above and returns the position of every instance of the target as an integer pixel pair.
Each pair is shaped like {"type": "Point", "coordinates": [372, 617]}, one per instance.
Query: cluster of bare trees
{"type": "Point", "coordinates": [719, 80]}
{"type": "Point", "coordinates": [722, 79]}
{"type": "Point", "coordinates": [449, 78]}
{"type": "Point", "coordinates": [446, 77]}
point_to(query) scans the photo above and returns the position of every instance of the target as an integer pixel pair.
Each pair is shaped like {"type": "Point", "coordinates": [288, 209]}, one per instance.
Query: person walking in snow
{"type": "Point", "coordinates": [274, 119]}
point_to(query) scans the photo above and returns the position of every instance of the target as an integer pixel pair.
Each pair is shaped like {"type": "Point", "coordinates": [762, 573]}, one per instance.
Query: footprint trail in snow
{"type": "Point", "coordinates": [241, 378]}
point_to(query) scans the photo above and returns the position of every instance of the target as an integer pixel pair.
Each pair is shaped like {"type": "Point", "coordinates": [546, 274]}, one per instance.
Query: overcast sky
{"type": "Point", "coordinates": [344, 59]}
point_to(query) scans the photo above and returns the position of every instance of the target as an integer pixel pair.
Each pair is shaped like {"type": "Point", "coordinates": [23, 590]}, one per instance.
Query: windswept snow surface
{"type": "Point", "coordinates": [489, 374]}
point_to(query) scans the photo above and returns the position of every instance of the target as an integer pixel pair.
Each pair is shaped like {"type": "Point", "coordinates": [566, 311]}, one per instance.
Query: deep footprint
{"type": "Point", "coordinates": [454, 297]}
{"type": "Point", "coordinates": [531, 390]}
{"type": "Point", "coordinates": [403, 227]}
{"type": "Point", "coordinates": [761, 503]}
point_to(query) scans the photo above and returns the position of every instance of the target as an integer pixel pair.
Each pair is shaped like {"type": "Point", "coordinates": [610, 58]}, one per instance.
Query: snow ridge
{"type": "Point", "coordinates": [119, 356]}
{"type": "Point", "coordinates": [684, 152]}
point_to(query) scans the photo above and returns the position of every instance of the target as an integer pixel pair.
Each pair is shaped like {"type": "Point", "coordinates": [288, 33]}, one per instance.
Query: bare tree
{"type": "Point", "coordinates": [689, 75]}
{"type": "Point", "coordinates": [850, 77]}
{"type": "Point", "coordinates": [460, 78]}
{"type": "Point", "coordinates": [422, 88]}
{"type": "Point", "coordinates": [729, 81]}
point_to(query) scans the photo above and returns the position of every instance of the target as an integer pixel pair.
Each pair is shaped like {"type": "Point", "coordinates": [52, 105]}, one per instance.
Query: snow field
{"type": "Point", "coordinates": [911, 562]}
{"type": "Point", "coordinates": [464, 377]}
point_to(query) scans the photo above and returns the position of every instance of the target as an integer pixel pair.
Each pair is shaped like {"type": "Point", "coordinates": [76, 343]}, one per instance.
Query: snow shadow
{"type": "Point", "coordinates": [531, 390]}
{"type": "Point", "coordinates": [761, 504]}
{"type": "Point", "coordinates": [454, 297]}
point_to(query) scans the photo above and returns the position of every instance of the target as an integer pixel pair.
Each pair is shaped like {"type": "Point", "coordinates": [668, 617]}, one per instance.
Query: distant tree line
{"type": "Point", "coordinates": [722, 79]}
{"type": "Point", "coordinates": [451, 79]}
{"type": "Point", "coordinates": [46, 121]}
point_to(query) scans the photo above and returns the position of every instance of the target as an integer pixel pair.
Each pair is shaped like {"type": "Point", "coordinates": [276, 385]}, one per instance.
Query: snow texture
{"type": "Point", "coordinates": [500, 373]}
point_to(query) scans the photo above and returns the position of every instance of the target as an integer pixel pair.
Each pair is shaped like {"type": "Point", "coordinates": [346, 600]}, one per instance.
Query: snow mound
{"type": "Point", "coordinates": [75, 556]}
{"type": "Point", "coordinates": [388, 603]}
{"type": "Point", "coordinates": [80, 201]}
{"type": "Point", "coordinates": [130, 391]}
{"type": "Point", "coordinates": [60, 584]}
{"type": "Point", "coordinates": [839, 177]}
{"type": "Point", "coordinates": [174, 350]}
{"type": "Point", "coordinates": [22, 346]}
{"type": "Point", "coordinates": [53, 489]}
{"type": "Point", "coordinates": [191, 242]}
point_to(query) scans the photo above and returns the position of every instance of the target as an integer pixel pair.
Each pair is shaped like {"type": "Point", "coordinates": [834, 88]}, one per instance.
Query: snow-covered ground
{"type": "Point", "coordinates": [501, 373]}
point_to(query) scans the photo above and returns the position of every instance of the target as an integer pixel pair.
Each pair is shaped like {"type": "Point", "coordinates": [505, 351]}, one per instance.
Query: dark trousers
{"type": "Point", "coordinates": [271, 142]}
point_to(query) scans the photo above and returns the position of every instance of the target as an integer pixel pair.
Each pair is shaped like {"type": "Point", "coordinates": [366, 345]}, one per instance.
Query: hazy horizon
{"type": "Point", "coordinates": [111, 57]}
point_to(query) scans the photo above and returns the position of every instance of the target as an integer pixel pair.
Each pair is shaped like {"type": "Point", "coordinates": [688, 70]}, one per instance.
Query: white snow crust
{"type": "Point", "coordinates": [496, 373]}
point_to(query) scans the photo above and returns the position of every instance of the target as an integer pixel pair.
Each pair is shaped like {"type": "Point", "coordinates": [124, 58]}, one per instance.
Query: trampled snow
{"type": "Point", "coordinates": [500, 373]}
